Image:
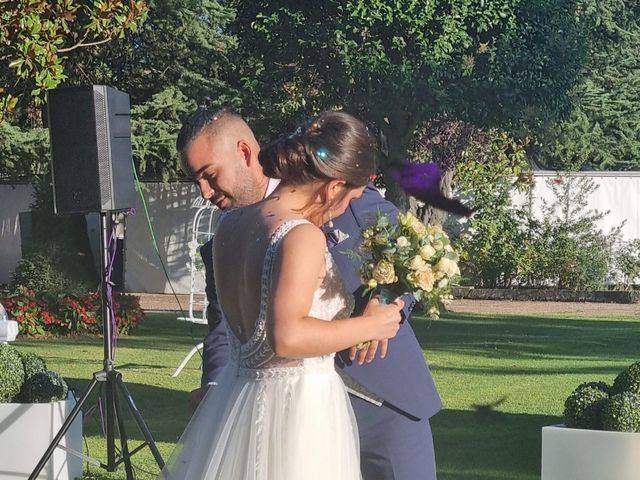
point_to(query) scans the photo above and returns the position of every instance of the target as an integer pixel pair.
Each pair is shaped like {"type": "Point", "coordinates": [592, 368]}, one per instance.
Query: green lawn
{"type": "Point", "coordinates": [525, 365]}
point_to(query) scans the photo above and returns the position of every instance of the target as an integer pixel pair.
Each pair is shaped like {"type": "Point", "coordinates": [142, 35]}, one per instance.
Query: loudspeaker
{"type": "Point", "coordinates": [90, 134]}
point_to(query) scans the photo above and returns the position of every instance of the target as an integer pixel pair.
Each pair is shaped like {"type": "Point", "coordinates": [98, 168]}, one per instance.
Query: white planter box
{"type": "Point", "coordinates": [26, 430]}
{"type": "Point", "coordinates": [575, 454]}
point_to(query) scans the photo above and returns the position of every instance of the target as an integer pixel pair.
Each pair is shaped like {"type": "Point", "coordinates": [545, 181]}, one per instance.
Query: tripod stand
{"type": "Point", "coordinates": [114, 385]}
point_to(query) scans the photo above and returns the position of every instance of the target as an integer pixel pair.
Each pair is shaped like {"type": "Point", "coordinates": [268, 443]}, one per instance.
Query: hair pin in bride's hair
{"type": "Point", "coordinates": [322, 153]}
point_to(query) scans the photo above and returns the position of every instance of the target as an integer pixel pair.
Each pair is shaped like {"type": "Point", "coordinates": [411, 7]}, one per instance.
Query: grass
{"type": "Point", "coordinates": [501, 379]}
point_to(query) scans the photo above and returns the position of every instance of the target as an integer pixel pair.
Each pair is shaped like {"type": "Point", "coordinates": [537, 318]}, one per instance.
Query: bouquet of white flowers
{"type": "Point", "coordinates": [409, 257]}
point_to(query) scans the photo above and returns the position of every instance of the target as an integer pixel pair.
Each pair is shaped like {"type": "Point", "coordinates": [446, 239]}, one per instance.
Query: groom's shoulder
{"type": "Point", "coordinates": [371, 203]}
{"type": "Point", "coordinates": [370, 197]}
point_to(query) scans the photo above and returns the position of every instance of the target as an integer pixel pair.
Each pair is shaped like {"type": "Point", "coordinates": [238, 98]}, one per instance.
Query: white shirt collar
{"type": "Point", "coordinates": [273, 183]}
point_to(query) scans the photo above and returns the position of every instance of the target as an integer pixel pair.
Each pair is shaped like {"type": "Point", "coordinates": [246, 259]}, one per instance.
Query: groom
{"type": "Point", "coordinates": [393, 397]}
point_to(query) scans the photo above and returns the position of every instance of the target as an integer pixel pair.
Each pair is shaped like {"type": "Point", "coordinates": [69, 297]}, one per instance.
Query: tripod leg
{"type": "Point", "coordinates": [110, 425]}
{"type": "Point", "coordinates": [126, 456]}
{"type": "Point", "coordinates": [63, 430]}
{"type": "Point", "coordinates": [140, 421]}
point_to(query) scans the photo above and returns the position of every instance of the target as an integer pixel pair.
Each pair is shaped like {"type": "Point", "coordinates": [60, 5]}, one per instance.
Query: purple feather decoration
{"type": "Point", "coordinates": [422, 181]}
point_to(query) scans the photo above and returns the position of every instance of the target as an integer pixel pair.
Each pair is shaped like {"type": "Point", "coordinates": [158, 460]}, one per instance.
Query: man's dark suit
{"type": "Point", "coordinates": [395, 439]}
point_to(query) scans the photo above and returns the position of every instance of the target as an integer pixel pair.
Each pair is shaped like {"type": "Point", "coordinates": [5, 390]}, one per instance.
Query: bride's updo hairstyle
{"type": "Point", "coordinates": [333, 146]}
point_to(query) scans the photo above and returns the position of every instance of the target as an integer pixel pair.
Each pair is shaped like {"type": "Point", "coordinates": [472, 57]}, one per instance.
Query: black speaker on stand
{"type": "Point", "coordinates": [90, 133]}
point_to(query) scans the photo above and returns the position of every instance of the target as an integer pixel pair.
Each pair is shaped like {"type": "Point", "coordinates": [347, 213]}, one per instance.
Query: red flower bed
{"type": "Point", "coordinates": [40, 314]}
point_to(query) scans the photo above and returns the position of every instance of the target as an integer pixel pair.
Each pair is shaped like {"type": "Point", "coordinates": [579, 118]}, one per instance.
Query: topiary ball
{"type": "Point", "coordinates": [11, 373]}
{"type": "Point", "coordinates": [621, 413]}
{"type": "Point", "coordinates": [45, 387]}
{"type": "Point", "coordinates": [602, 386]}
{"type": "Point", "coordinates": [583, 408]}
{"type": "Point", "coordinates": [32, 364]}
{"type": "Point", "coordinates": [628, 380]}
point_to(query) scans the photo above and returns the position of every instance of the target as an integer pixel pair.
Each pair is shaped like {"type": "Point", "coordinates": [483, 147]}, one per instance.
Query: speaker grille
{"type": "Point", "coordinates": [102, 144]}
{"type": "Point", "coordinates": [90, 133]}
{"type": "Point", "coordinates": [73, 150]}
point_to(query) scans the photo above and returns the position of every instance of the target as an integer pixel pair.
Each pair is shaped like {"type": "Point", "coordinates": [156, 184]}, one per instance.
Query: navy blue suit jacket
{"type": "Point", "coordinates": [402, 378]}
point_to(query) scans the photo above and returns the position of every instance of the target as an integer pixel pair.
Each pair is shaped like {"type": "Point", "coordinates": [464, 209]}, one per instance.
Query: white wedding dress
{"type": "Point", "coordinates": [273, 418]}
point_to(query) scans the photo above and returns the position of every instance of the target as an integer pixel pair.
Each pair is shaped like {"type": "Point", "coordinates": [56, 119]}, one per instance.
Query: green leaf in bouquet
{"type": "Point", "coordinates": [388, 253]}
{"type": "Point", "coordinates": [382, 221]}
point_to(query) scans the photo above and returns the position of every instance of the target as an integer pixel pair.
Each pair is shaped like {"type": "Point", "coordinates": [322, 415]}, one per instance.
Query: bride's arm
{"type": "Point", "coordinates": [296, 275]}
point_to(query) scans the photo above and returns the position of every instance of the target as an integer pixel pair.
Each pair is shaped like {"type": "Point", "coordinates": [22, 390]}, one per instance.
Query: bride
{"type": "Point", "coordinates": [280, 411]}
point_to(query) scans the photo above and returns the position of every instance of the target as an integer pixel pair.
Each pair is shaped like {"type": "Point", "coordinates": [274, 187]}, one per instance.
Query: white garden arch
{"type": "Point", "coordinates": [204, 219]}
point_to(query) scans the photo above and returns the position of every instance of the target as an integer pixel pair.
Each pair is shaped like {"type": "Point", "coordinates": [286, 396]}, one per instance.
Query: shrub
{"type": "Point", "coordinates": [627, 263]}
{"type": "Point", "coordinates": [128, 312]}
{"type": "Point", "coordinates": [11, 373]}
{"type": "Point", "coordinates": [583, 408]}
{"type": "Point", "coordinates": [628, 380]}
{"type": "Point", "coordinates": [567, 250]}
{"type": "Point", "coordinates": [68, 314]}
{"type": "Point", "coordinates": [45, 387]}
{"type": "Point", "coordinates": [32, 364]}
{"type": "Point", "coordinates": [28, 311]}
{"type": "Point", "coordinates": [78, 314]}
{"type": "Point", "coordinates": [602, 386]}
{"type": "Point", "coordinates": [621, 413]}
{"type": "Point", "coordinates": [47, 271]}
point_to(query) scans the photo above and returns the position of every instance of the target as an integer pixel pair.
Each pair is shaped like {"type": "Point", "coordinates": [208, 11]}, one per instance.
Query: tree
{"type": "Point", "coordinates": [398, 64]}
{"type": "Point", "coordinates": [168, 64]}
{"type": "Point", "coordinates": [24, 153]}
{"type": "Point", "coordinates": [603, 133]}
{"type": "Point", "coordinates": [37, 35]}
{"type": "Point", "coordinates": [180, 55]}
{"type": "Point", "coordinates": [183, 44]}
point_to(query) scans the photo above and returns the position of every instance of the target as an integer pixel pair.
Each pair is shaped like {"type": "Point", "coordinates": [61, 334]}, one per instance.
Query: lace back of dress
{"type": "Point", "coordinates": [256, 353]}
{"type": "Point", "coordinates": [331, 300]}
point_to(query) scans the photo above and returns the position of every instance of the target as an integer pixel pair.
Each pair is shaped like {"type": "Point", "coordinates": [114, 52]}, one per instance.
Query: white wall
{"type": "Point", "coordinates": [171, 217]}
{"type": "Point", "coordinates": [618, 192]}
{"type": "Point", "coordinates": [13, 200]}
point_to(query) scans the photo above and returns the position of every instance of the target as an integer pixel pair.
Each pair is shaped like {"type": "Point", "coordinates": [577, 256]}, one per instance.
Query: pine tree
{"type": "Point", "coordinates": [603, 132]}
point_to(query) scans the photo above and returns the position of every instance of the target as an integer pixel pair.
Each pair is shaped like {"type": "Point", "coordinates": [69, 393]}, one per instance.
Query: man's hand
{"type": "Point", "coordinates": [369, 353]}
{"type": "Point", "coordinates": [196, 396]}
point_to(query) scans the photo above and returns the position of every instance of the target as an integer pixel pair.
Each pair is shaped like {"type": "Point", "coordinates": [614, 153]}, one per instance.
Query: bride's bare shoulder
{"type": "Point", "coordinates": [304, 236]}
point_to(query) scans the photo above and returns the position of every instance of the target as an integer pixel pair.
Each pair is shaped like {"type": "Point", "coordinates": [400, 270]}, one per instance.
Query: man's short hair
{"type": "Point", "coordinates": [205, 120]}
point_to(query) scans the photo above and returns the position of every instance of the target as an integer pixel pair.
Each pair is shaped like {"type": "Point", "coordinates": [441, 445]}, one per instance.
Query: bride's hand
{"type": "Point", "coordinates": [384, 318]}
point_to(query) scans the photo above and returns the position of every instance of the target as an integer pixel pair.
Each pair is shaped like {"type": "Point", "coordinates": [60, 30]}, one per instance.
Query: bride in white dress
{"type": "Point", "coordinates": [279, 410]}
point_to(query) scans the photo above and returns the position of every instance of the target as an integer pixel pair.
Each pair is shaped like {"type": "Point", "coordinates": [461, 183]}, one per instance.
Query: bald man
{"type": "Point", "coordinates": [393, 398]}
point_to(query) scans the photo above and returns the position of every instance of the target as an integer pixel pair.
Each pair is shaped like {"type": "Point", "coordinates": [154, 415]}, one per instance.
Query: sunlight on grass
{"type": "Point", "coordinates": [501, 379]}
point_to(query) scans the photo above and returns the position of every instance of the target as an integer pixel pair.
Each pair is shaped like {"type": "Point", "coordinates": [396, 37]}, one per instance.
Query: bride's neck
{"type": "Point", "coordinates": [300, 199]}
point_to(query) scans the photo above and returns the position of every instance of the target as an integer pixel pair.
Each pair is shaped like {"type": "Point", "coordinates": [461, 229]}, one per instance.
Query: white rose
{"type": "Point", "coordinates": [448, 267]}
{"type": "Point", "coordinates": [417, 263]}
{"type": "Point", "coordinates": [193, 249]}
{"type": "Point", "coordinates": [427, 251]}
{"type": "Point", "coordinates": [384, 273]}
{"type": "Point", "coordinates": [402, 242]}
{"type": "Point", "coordinates": [422, 279]}
{"type": "Point", "coordinates": [418, 228]}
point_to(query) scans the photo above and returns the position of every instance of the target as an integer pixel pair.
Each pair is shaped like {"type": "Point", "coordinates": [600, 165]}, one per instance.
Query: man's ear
{"type": "Point", "coordinates": [245, 151]}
